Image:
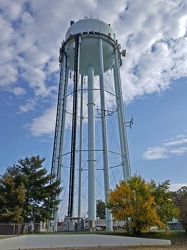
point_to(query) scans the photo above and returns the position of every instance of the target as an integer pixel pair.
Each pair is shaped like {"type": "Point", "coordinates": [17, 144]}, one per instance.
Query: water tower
{"type": "Point", "coordinates": [88, 55]}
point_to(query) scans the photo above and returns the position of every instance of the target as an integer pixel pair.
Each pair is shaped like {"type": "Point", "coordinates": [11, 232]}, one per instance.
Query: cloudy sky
{"type": "Point", "coordinates": [154, 78]}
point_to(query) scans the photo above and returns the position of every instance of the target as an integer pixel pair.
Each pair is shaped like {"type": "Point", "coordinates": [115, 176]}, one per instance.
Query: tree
{"type": "Point", "coordinates": [181, 202]}
{"type": "Point", "coordinates": [135, 202]}
{"type": "Point", "coordinates": [40, 189]}
{"type": "Point", "coordinates": [12, 198]}
{"type": "Point", "coordinates": [100, 209]}
{"type": "Point", "coordinates": [166, 208]}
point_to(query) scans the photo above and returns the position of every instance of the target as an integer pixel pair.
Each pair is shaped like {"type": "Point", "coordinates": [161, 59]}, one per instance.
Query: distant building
{"type": "Point", "coordinates": [174, 225]}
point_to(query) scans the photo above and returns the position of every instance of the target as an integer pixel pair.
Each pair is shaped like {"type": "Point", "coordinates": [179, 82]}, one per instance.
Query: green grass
{"type": "Point", "coordinates": [177, 237]}
{"type": "Point", "coordinates": [5, 236]}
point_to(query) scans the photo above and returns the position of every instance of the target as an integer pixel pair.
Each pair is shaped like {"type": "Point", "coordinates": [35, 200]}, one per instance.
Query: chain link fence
{"type": "Point", "coordinates": [26, 228]}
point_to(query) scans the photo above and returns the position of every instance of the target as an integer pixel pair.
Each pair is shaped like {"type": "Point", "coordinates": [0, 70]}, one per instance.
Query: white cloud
{"type": "Point", "coordinates": [36, 78]}
{"type": "Point", "coordinates": [154, 36]}
{"type": "Point", "coordinates": [8, 75]}
{"type": "Point", "coordinates": [179, 151]}
{"type": "Point", "coordinates": [12, 9]}
{"type": "Point", "coordinates": [18, 91]}
{"type": "Point", "coordinates": [170, 147]}
{"type": "Point", "coordinates": [175, 187]}
{"type": "Point", "coordinates": [43, 124]}
{"type": "Point", "coordinates": [6, 30]}
{"type": "Point", "coordinates": [138, 28]}
{"type": "Point", "coordinates": [176, 142]}
{"type": "Point", "coordinates": [154, 153]}
{"type": "Point", "coordinates": [27, 107]}
{"type": "Point", "coordinates": [155, 46]}
{"type": "Point", "coordinates": [182, 26]}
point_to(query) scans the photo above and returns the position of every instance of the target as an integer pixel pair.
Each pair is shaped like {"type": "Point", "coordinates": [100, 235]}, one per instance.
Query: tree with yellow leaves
{"type": "Point", "coordinates": [133, 202]}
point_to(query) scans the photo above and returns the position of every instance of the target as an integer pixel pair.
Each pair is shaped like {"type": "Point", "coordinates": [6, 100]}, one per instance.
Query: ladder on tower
{"type": "Point", "coordinates": [55, 170]}
{"type": "Point", "coordinates": [74, 127]}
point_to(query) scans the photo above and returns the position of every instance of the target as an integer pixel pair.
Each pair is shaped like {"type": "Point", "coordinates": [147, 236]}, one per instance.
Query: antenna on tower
{"type": "Point", "coordinates": [130, 123]}
{"type": "Point", "coordinates": [91, 12]}
{"type": "Point", "coordinates": [83, 12]}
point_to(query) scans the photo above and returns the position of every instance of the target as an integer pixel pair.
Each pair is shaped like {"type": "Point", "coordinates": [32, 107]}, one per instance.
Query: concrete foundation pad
{"type": "Point", "coordinates": [76, 241]}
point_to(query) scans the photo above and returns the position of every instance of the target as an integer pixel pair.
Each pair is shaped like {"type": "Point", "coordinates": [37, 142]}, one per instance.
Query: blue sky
{"type": "Point", "coordinates": [154, 78]}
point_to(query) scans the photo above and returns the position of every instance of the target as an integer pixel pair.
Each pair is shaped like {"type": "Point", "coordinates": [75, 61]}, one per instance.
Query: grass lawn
{"type": "Point", "coordinates": [177, 237]}
{"type": "Point", "coordinates": [5, 236]}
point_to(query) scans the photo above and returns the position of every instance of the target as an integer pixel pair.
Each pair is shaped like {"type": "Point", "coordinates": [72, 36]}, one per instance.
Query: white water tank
{"type": "Point", "coordinates": [91, 31]}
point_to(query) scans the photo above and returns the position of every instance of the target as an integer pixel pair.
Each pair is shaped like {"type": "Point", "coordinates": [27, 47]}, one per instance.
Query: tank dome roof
{"type": "Point", "coordinates": [88, 25]}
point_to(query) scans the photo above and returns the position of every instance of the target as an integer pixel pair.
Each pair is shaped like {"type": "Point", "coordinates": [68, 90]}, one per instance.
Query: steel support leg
{"type": "Point", "coordinates": [121, 119]}
{"type": "Point", "coordinates": [91, 147]}
{"type": "Point", "coordinates": [104, 137]}
{"type": "Point", "coordinates": [80, 152]}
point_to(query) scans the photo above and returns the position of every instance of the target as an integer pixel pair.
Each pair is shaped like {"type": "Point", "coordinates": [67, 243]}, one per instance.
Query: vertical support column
{"type": "Point", "coordinates": [63, 125]}
{"type": "Point", "coordinates": [80, 152]}
{"type": "Point", "coordinates": [56, 147]}
{"type": "Point", "coordinates": [74, 127]}
{"type": "Point", "coordinates": [104, 137]}
{"type": "Point", "coordinates": [121, 119]}
{"type": "Point", "coordinates": [61, 146]}
{"type": "Point", "coordinates": [60, 118]}
{"type": "Point", "coordinates": [91, 147]}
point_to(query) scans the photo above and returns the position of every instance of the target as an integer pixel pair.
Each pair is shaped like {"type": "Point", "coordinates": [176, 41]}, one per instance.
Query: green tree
{"type": "Point", "coordinates": [181, 201]}
{"type": "Point", "coordinates": [100, 209]}
{"type": "Point", "coordinates": [139, 204]}
{"type": "Point", "coordinates": [166, 208]}
{"type": "Point", "coordinates": [12, 198]}
{"type": "Point", "coordinates": [40, 189]}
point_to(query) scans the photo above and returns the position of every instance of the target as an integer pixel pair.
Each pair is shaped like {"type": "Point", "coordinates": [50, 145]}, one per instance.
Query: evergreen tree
{"type": "Point", "coordinates": [12, 199]}
{"type": "Point", "coordinates": [40, 189]}
{"type": "Point", "coordinates": [100, 209]}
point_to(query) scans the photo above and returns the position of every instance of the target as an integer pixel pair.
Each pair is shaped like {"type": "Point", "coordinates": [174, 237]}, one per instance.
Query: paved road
{"type": "Point", "coordinates": [84, 240]}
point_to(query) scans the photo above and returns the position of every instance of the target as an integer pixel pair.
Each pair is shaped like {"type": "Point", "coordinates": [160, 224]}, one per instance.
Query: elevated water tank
{"type": "Point", "coordinates": [90, 31]}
